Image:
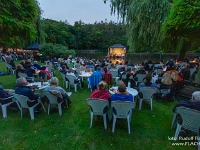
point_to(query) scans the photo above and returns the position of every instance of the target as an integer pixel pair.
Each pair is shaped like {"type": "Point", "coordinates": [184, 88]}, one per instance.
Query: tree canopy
{"type": "Point", "coordinates": [184, 19]}
{"type": "Point", "coordinates": [144, 19]}
{"type": "Point", "coordinates": [99, 35]}
{"type": "Point", "coordinates": [158, 25]}
{"type": "Point", "coordinates": [18, 22]}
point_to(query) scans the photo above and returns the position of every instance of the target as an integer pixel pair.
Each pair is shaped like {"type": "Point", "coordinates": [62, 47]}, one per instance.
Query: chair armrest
{"type": "Point", "coordinates": [6, 98]}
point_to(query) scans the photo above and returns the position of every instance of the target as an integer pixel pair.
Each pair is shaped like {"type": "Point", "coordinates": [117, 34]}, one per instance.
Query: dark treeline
{"type": "Point", "coordinates": [99, 35]}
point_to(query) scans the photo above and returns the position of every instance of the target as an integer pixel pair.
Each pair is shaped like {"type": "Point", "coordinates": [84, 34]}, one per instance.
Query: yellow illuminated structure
{"type": "Point", "coordinates": [117, 52]}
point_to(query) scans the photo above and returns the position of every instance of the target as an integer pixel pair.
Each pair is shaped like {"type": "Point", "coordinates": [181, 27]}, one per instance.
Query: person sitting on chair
{"type": "Point", "coordinates": [54, 86]}
{"type": "Point", "coordinates": [12, 63]}
{"type": "Point", "coordinates": [5, 94]}
{"type": "Point", "coordinates": [185, 72]}
{"type": "Point", "coordinates": [121, 94]}
{"type": "Point", "coordinates": [140, 71]}
{"type": "Point", "coordinates": [19, 69]}
{"type": "Point", "coordinates": [147, 83]}
{"type": "Point", "coordinates": [35, 65]}
{"type": "Point", "coordinates": [25, 90]}
{"type": "Point", "coordinates": [101, 92]}
{"type": "Point", "coordinates": [71, 73]}
{"type": "Point", "coordinates": [132, 81]}
{"type": "Point", "coordinates": [43, 69]}
{"type": "Point", "coordinates": [29, 71]}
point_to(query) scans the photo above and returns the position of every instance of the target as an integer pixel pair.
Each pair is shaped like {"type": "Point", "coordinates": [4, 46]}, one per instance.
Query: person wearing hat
{"type": "Point", "coordinates": [121, 94]}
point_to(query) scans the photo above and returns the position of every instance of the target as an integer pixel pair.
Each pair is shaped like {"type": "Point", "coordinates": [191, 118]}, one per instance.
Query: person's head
{"type": "Point", "coordinates": [102, 85]}
{"type": "Point", "coordinates": [54, 81]}
{"type": "Point", "coordinates": [35, 62]}
{"type": "Point", "coordinates": [29, 65]}
{"type": "Point", "coordinates": [105, 69]}
{"type": "Point", "coordinates": [19, 66]}
{"type": "Point", "coordinates": [70, 70]}
{"type": "Point", "coordinates": [141, 67]}
{"type": "Point", "coordinates": [98, 68]}
{"type": "Point", "coordinates": [117, 62]}
{"type": "Point", "coordinates": [112, 66]}
{"type": "Point", "coordinates": [121, 86]}
{"type": "Point", "coordinates": [128, 74]}
{"type": "Point", "coordinates": [148, 78]}
{"type": "Point", "coordinates": [21, 81]}
{"type": "Point", "coordinates": [64, 67]}
{"type": "Point", "coordinates": [43, 68]}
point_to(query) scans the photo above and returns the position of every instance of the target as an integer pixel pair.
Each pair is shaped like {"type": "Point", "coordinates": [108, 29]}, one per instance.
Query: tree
{"type": "Point", "coordinates": [143, 19]}
{"type": "Point", "coordinates": [55, 50]}
{"type": "Point", "coordinates": [18, 19]}
{"type": "Point", "coordinates": [183, 23]}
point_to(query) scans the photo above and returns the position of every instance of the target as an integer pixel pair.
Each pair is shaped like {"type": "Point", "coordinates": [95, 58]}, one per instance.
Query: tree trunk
{"type": "Point", "coordinates": [183, 50]}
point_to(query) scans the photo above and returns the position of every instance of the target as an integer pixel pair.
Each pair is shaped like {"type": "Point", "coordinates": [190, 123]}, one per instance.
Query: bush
{"type": "Point", "coordinates": [55, 50]}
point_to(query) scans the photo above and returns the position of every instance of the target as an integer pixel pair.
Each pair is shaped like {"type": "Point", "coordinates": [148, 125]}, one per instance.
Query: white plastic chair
{"type": "Point", "coordinates": [131, 67]}
{"type": "Point", "coordinates": [140, 78]}
{"type": "Point", "coordinates": [97, 108]}
{"type": "Point", "coordinates": [50, 69]}
{"type": "Point", "coordinates": [65, 83]}
{"type": "Point", "coordinates": [24, 75]}
{"type": "Point", "coordinates": [4, 106]}
{"type": "Point", "coordinates": [10, 68]}
{"type": "Point", "coordinates": [147, 95]}
{"type": "Point", "coordinates": [22, 100]}
{"type": "Point", "coordinates": [53, 101]}
{"type": "Point", "coordinates": [190, 121]}
{"type": "Point", "coordinates": [157, 71]}
{"type": "Point", "coordinates": [115, 76]}
{"type": "Point", "coordinates": [192, 70]}
{"type": "Point", "coordinates": [71, 82]}
{"type": "Point", "coordinates": [123, 110]}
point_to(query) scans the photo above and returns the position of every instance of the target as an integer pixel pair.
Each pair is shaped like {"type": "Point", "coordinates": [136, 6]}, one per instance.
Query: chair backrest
{"type": "Point", "coordinates": [77, 66]}
{"type": "Point", "coordinates": [52, 98]}
{"type": "Point", "coordinates": [148, 92]}
{"type": "Point", "coordinates": [63, 75]}
{"type": "Point", "coordinates": [140, 77]}
{"type": "Point", "coordinates": [131, 67]}
{"type": "Point", "coordinates": [50, 69]}
{"type": "Point", "coordinates": [192, 70]}
{"type": "Point", "coordinates": [22, 100]}
{"type": "Point", "coordinates": [190, 118]}
{"type": "Point", "coordinates": [20, 74]}
{"type": "Point", "coordinates": [71, 79]}
{"type": "Point", "coordinates": [43, 76]}
{"type": "Point", "coordinates": [122, 108]}
{"type": "Point", "coordinates": [4, 58]}
{"type": "Point", "coordinates": [8, 66]}
{"type": "Point", "coordinates": [114, 73]}
{"type": "Point", "coordinates": [157, 71]}
{"type": "Point", "coordinates": [78, 70]}
{"type": "Point", "coordinates": [97, 105]}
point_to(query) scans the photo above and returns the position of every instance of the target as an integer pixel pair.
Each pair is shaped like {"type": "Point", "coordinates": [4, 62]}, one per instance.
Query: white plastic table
{"type": "Point", "coordinates": [40, 87]}
{"type": "Point", "coordinates": [130, 90]}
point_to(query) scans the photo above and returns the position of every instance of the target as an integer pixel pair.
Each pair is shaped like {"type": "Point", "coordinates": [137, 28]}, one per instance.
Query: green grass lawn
{"type": "Point", "coordinates": [149, 129]}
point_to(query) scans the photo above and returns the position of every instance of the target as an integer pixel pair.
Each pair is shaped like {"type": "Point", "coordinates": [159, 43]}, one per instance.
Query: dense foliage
{"type": "Point", "coordinates": [99, 35]}
{"type": "Point", "coordinates": [18, 22]}
{"type": "Point", "coordinates": [184, 19]}
{"type": "Point", "coordinates": [145, 18]}
{"type": "Point", "coordinates": [55, 50]}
